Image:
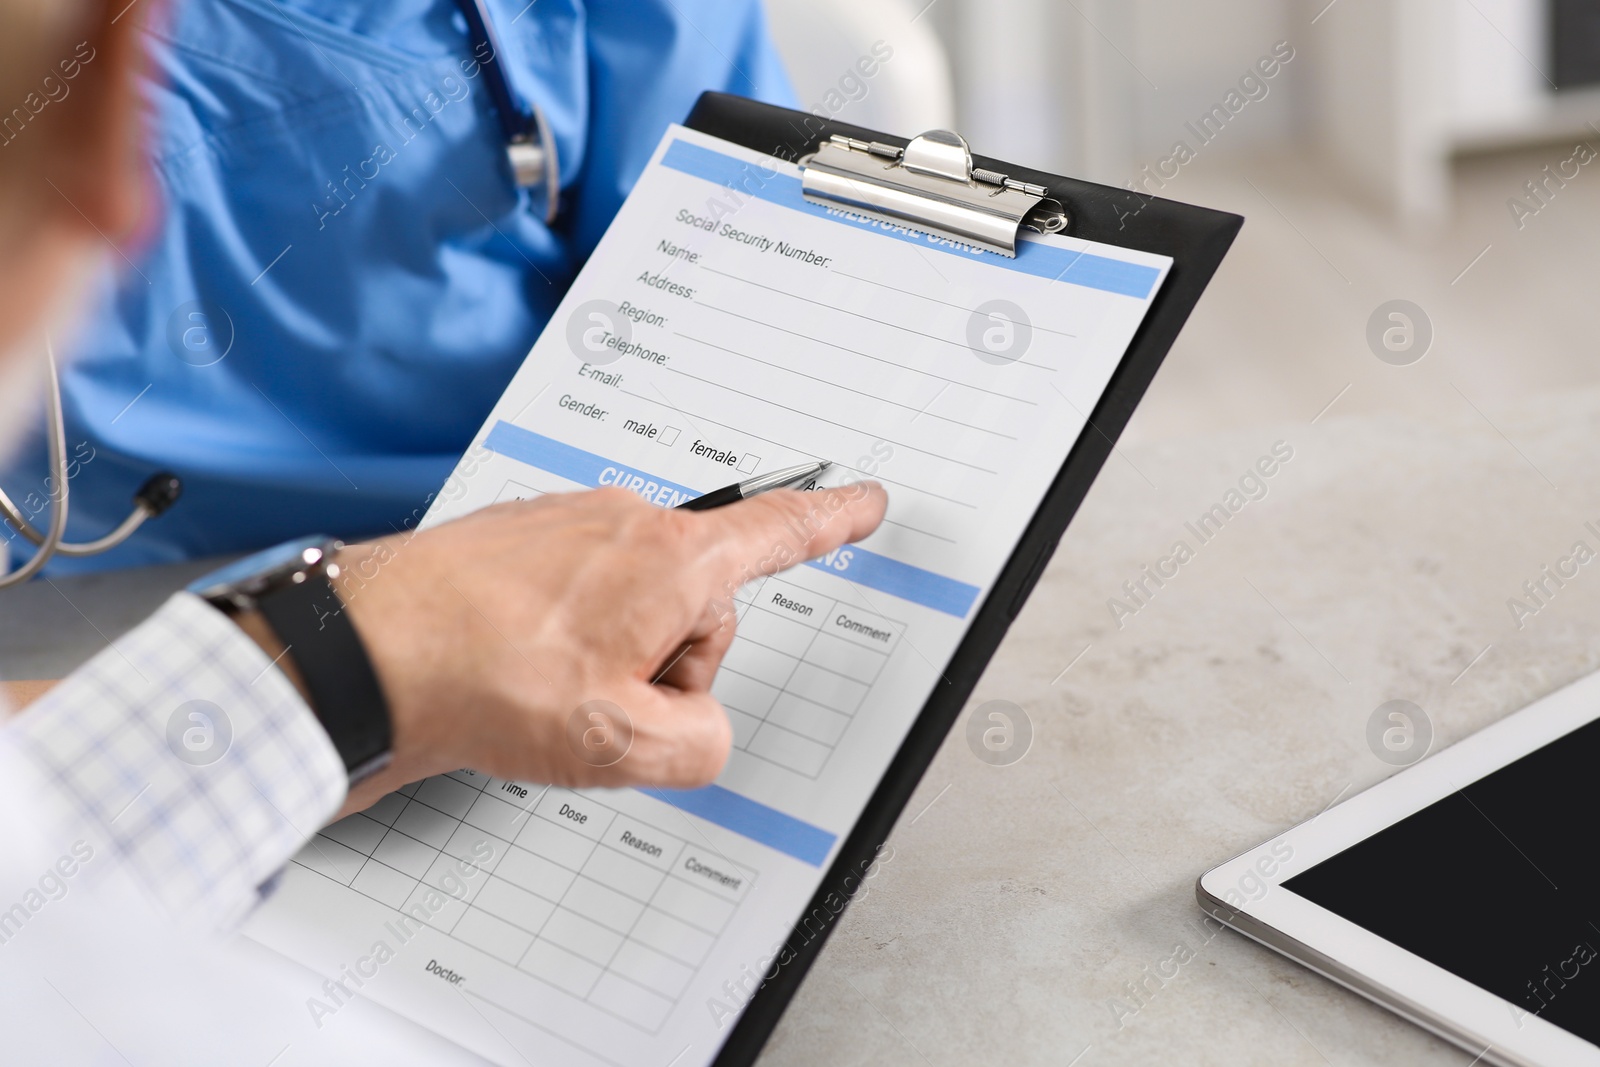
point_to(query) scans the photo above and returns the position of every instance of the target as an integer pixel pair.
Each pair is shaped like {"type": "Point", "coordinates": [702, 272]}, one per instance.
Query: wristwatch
{"type": "Point", "coordinates": [291, 588]}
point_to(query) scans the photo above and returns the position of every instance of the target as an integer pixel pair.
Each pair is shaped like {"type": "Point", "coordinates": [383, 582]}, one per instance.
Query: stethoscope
{"type": "Point", "coordinates": [531, 152]}
{"type": "Point", "coordinates": [156, 495]}
{"type": "Point", "coordinates": [529, 145]}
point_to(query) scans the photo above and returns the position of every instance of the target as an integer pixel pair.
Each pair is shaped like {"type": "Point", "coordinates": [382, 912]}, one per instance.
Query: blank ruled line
{"type": "Point", "coordinates": [541, 1026]}
{"type": "Point", "coordinates": [786, 446]}
{"type": "Point", "coordinates": [916, 530]}
{"type": "Point", "coordinates": [926, 492]}
{"type": "Point", "coordinates": [865, 355]}
{"type": "Point", "coordinates": [830, 422]}
{"type": "Point", "coordinates": [826, 381]}
{"type": "Point", "coordinates": [946, 303]}
{"type": "Point", "coordinates": [869, 318]}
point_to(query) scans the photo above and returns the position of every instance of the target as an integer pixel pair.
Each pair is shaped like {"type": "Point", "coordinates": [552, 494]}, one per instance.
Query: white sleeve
{"type": "Point", "coordinates": [187, 754]}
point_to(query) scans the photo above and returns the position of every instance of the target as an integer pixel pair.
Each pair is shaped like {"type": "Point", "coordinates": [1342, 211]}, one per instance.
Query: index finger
{"type": "Point", "coordinates": [776, 530]}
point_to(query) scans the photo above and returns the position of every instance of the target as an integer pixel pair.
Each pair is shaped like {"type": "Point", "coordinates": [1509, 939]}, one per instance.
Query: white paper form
{"type": "Point", "coordinates": [723, 328]}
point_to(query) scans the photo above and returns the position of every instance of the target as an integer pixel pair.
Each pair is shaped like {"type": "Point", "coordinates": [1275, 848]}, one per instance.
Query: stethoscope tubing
{"type": "Point", "coordinates": [51, 542]}
{"type": "Point", "coordinates": [520, 127]}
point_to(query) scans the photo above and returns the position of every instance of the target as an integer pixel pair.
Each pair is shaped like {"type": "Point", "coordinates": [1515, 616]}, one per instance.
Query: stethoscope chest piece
{"type": "Point", "coordinates": [535, 164]}
{"type": "Point", "coordinates": [529, 145]}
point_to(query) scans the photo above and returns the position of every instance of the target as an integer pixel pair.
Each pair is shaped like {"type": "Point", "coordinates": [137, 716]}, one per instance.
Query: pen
{"type": "Point", "coordinates": [732, 494]}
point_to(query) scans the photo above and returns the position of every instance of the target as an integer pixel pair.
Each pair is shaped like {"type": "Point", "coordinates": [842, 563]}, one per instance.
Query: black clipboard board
{"type": "Point", "coordinates": [1196, 238]}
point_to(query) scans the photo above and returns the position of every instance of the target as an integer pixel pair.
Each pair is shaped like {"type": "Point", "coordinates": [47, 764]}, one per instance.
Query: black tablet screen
{"type": "Point", "coordinates": [1497, 883]}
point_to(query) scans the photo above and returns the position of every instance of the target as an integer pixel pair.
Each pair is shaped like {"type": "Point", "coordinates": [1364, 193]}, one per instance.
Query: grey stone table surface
{"type": "Point", "coordinates": [1026, 911]}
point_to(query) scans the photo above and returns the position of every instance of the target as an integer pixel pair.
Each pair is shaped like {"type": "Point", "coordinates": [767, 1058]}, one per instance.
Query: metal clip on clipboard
{"type": "Point", "coordinates": [929, 185]}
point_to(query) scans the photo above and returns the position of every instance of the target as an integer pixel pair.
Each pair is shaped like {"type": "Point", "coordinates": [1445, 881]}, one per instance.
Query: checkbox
{"type": "Point", "coordinates": [749, 463]}
{"type": "Point", "coordinates": [667, 435]}
{"type": "Point", "coordinates": [517, 491]}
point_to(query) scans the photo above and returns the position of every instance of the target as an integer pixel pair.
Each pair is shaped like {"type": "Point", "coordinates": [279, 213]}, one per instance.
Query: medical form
{"type": "Point", "coordinates": [725, 327]}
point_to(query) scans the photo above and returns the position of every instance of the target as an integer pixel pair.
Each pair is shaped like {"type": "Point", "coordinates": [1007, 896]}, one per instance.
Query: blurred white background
{"type": "Point", "coordinates": [1383, 161]}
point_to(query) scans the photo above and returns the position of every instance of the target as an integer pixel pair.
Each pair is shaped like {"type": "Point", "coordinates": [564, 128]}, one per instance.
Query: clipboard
{"type": "Point", "coordinates": [1196, 238]}
{"type": "Point", "coordinates": [570, 909]}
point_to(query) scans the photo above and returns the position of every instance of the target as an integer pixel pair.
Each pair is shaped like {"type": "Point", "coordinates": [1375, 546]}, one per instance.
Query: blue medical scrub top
{"type": "Point", "coordinates": [345, 277]}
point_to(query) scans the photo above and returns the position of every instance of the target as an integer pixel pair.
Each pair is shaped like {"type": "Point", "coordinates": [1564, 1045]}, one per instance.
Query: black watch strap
{"type": "Point", "coordinates": [317, 634]}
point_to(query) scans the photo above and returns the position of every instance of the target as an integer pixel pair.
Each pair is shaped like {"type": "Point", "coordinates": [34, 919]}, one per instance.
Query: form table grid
{"type": "Point", "coordinates": [587, 899]}
{"type": "Point", "coordinates": [799, 668]}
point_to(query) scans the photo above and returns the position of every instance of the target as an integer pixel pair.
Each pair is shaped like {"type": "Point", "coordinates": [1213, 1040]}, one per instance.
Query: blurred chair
{"type": "Point", "coordinates": [826, 45]}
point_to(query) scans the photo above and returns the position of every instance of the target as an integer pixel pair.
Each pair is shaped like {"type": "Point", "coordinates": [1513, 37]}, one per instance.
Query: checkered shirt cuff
{"type": "Point", "coordinates": [185, 748]}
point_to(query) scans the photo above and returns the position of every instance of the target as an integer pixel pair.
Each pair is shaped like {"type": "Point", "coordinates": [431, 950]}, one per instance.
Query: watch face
{"type": "Point", "coordinates": [264, 565]}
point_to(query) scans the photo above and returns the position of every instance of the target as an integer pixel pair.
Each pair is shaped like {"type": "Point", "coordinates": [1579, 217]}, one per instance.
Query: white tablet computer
{"type": "Point", "coordinates": [1462, 893]}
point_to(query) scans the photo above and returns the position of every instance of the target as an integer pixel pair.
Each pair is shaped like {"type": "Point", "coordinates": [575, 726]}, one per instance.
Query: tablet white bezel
{"type": "Point", "coordinates": [1247, 894]}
